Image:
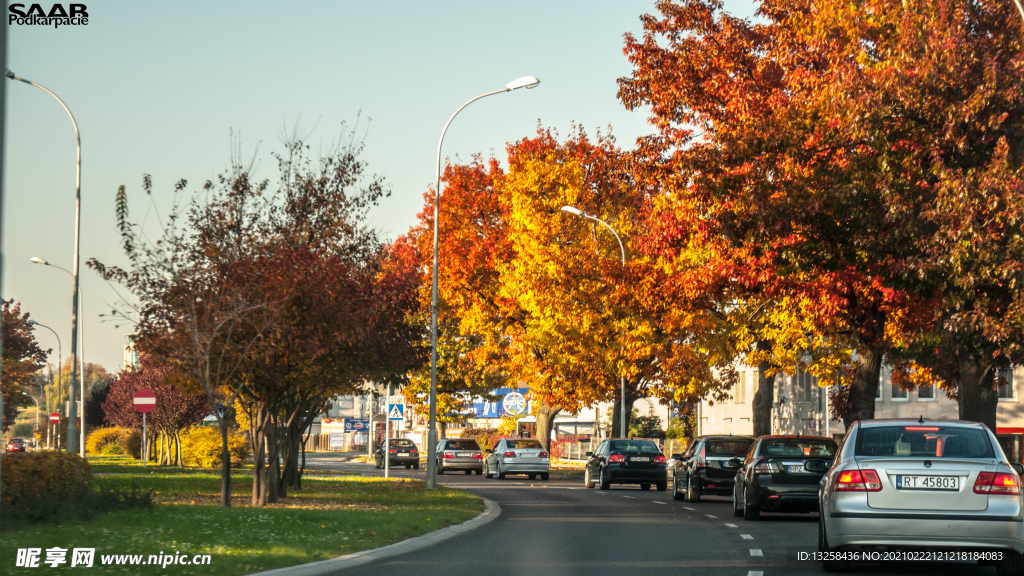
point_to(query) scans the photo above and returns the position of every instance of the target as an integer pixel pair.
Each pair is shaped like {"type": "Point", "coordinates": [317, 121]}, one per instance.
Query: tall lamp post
{"type": "Point", "coordinates": [59, 355]}
{"type": "Point", "coordinates": [81, 360]}
{"type": "Point", "coordinates": [524, 82]}
{"type": "Point", "coordinates": [72, 408]}
{"type": "Point", "coordinates": [622, 377]}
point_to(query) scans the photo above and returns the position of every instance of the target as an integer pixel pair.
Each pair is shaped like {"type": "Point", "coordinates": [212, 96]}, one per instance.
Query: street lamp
{"type": "Point", "coordinates": [72, 408]}
{"type": "Point", "coordinates": [527, 82]}
{"type": "Point", "coordinates": [622, 377]}
{"type": "Point", "coordinates": [81, 374]}
{"type": "Point", "coordinates": [59, 354]}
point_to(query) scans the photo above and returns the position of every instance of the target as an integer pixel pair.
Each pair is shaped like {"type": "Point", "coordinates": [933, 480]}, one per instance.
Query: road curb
{"type": "Point", "coordinates": [324, 567]}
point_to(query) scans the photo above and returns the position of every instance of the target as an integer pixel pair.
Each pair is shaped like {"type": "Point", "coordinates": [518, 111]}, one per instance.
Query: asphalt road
{"type": "Point", "coordinates": [561, 528]}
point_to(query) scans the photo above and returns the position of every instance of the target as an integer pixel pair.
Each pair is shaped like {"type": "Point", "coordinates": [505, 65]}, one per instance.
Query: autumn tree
{"type": "Point", "coordinates": [22, 358]}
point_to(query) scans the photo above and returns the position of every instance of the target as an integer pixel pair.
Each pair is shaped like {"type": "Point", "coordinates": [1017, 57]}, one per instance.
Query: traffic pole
{"type": "Point", "coordinates": [387, 433]}
{"type": "Point", "coordinates": [145, 453]}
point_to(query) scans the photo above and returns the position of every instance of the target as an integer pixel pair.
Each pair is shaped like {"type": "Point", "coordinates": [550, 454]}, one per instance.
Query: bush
{"type": "Point", "coordinates": [106, 441]}
{"type": "Point", "coordinates": [131, 443]}
{"type": "Point", "coordinates": [200, 446]}
{"type": "Point", "coordinates": [43, 475]}
{"type": "Point", "coordinates": [80, 506]}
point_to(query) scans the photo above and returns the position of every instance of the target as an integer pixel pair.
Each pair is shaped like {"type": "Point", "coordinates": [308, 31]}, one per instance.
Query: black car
{"type": "Point", "coordinates": [707, 466]}
{"type": "Point", "coordinates": [625, 461]}
{"type": "Point", "coordinates": [782, 474]}
{"type": "Point", "coordinates": [401, 452]}
{"type": "Point", "coordinates": [455, 454]}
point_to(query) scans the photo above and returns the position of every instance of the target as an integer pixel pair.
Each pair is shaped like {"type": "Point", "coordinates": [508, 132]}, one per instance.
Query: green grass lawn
{"type": "Point", "coordinates": [333, 515]}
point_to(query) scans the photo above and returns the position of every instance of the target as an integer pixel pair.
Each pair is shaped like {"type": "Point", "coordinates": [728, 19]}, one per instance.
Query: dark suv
{"type": "Point", "coordinates": [705, 467]}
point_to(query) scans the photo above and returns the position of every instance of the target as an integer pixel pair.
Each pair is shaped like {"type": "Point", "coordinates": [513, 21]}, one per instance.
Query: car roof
{"type": "Point", "coordinates": [794, 437]}
{"type": "Point", "coordinates": [912, 421]}
{"type": "Point", "coordinates": [720, 437]}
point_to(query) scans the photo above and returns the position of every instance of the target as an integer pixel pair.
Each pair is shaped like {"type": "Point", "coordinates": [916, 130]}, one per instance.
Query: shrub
{"type": "Point", "coordinates": [103, 440]}
{"type": "Point", "coordinates": [80, 506]}
{"type": "Point", "coordinates": [200, 446]}
{"type": "Point", "coordinates": [131, 443]}
{"type": "Point", "coordinates": [39, 475]}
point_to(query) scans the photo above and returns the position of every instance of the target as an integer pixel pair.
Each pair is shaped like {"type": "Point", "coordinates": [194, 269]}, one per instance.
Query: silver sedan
{"type": "Point", "coordinates": [518, 456]}
{"type": "Point", "coordinates": [941, 487]}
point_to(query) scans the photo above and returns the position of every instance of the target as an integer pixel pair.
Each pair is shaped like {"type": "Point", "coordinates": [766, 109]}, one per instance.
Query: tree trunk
{"type": "Point", "coordinates": [225, 466]}
{"type": "Point", "coordinates": [976, 396]}
{"type": "Point", "coordinates": [764, 397]}
{"type": "Point", "coordinates": [545, 420]}
{"type": "Point", "coordinates": [864, 388]}
{"type": "Point", "coordinates": [273, 466]}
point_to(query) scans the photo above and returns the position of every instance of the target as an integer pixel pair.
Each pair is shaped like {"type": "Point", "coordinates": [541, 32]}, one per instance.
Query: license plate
{"type": "Point", "coordinates": [466, 454]}
{"type": "Point", "coordinates": [797, 469]}
{"type": "Point", "coordinates": [403, 452]}
{"type": "Point", "coordinates": [640, 459]}
{"type": "Point", "coordinates": [927, 482]}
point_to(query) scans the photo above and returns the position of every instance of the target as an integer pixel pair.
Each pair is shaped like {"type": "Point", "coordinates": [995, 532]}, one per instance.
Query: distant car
{"type": "Point", "coordinates": [401, 452]}
{"type": "Point", "coordinates": [455, 454]}
{"type": "Point", "coordinates": [781, 474]}
{"type": "Point", "coordinates": [518, 456]}
{"type": "Point", "coordinates": [626, 461]}
{"type": "Point", "coordinates": [16, 445]}
{"type": "Point", "coordinates": [930, 486]}
{"type": "Point", "coordinates": [707, 466]}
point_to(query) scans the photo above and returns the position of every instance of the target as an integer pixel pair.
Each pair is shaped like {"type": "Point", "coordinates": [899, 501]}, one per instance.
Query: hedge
{"type": "Point", "coordinates": [201, 446]}
{"type": "Point", "coordinates": [105, 441]}
{"type": "Point", "coordinates": [37, 475]}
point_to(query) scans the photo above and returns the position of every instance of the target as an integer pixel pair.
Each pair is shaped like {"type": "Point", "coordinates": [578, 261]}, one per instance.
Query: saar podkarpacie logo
{"type": "Point", "coordinates": [58, 15]}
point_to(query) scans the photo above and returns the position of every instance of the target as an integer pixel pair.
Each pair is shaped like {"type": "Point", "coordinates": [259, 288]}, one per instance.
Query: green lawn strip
{"type": "Point", "coordinates": [333, 515]}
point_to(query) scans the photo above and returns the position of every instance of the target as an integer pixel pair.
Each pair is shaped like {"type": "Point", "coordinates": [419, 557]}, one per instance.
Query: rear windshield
{"type": "Point", "coordinates": [402, 442]}
{"type": "Point", "coordinates": [797, 447]}
{"type": "Point", "coordinates": [523, 444]}
{"type": "Point", "coordinates": [635, 446]}
{"type": "Point", "coordinates": [924, 442]}
{"type": "Point", "coordinates": [727, 447]}
{"type": "Point", "coordinates": [462, 445]}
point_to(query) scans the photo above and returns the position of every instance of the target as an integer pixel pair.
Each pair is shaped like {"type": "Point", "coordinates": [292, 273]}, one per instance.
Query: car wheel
{"type": "Point", "coordinates": [587, 481]}
{"type": "Point", "coordinates": [544, 477]}
{"type": "Point", "coordinates": [488, 473]}
{"type": "Point", "coordinates": [407, 466]}
{"type": "Point", "coordinates": [829, 565]}
{"type": "Point", "coordinates": [416, 466]}
{"type": "Point", "coordinates": [737, 510]}
{"type": "Point", "coordinates": [440, 470]}
{"type": "Point", "coordinates": [479, 471]}
{"type": "Point", "coordinates": [497, 469]}
{"type": "Point", "coordinates": [645, 486]}
{"type": "Point", "coordinates": [692, 495]}
{"type": "Point", "coordinates": [675, 488]}
{"type": "Point", "coordinates": [749, 512]}
{"type": "Point", "coordinates": [376, 464]}
{"type": "Point", "coordinates": [468, 472]}
{"type": "Point", "coordinates": [606, 481]}
{"type": "Point", "coordinates": [531, 476]}
{"type": "Point", "coordinates": [662, 486]}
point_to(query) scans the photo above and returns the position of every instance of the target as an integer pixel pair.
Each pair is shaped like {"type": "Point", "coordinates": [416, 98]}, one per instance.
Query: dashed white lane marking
{"type": "Point", "coordinates": [688, 508]}
{"type": "Point", "coordinates": [598, 492]}
{"type": "Point", "coordinates": [710, 516]}
{"type": "Point", "coordinates": [656, 502]}
{"type": "Point", "coordinates": [732, 526]}
{"type": "Point", "coordinates": [755, 573]}
{"type": "Point", "coordinates": [634, 497]}
{"type": "Point", "coordinates": [756, 552]}
{"type": "Point", "coordinates": [746, 536]}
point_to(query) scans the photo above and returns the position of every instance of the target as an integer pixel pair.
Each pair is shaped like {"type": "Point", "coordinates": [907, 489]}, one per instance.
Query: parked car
{"type": "Point", "coordinates": [626, 461]}
{"type": "Point", "coordinates": [518, 456]}
{"type": "Point", "coordinates": [781, 474]}
{"type": "Point", "coordinates": [923, 485]}
{"type": "Point", "coordinates": [459, 454]}
{"type": "Point", "coordinates": [401, 452]}
{"type": "Point", "coordinates": [15, 445]}
{"type": "Point", "coordinates": [708, 466]}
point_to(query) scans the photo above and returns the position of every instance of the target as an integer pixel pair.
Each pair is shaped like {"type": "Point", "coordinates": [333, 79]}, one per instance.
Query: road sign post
{"type": "Point", "coordinates": [144, 401]}
{"type": "Point", "coordinates": [387, 436]}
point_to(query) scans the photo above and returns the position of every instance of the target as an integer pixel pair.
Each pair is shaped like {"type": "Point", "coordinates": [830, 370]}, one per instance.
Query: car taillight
{"type": "Point", "coordinates": [701, 460]}
{"type": "Point", "coordinates": [478, 455]}
{"type": "Point", "coordinates": [414, 451]}
{"type": "Point", "coordinates": [616, 458]}
{"type": "Point", "coordinates": [509, 454]}
{"type": "Point", "coordinates": [542, 455]}
{"type": "Point", "coordinates": [858, 481]}
{"type": "Point", "coordinates": [766, 468]}
{"type": "Point", "coordinates": [659, 459]}
{"type": "Point", "coordinates": [393, 451]}
{"type": "Point", "coordinates": [448, 455]}
{"type": "Point", "coordinates": [996, 483]}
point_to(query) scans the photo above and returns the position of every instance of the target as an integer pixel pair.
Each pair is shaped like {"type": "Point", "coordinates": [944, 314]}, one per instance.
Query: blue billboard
{"type": "Point", "coordinates": [484, 409]}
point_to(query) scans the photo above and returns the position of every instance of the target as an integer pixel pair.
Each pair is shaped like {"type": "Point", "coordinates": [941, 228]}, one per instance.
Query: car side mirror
{"type": "Point", "coordinates": [1018, 468]}
{"type": "Point", "coordinates": [677, 456]}
{"type": "Point", "coordinates": [734, 463]}
{"type": "Point", "coordinates": [815, 466]}
{"type": "Point", "coordinates": [589, 454]}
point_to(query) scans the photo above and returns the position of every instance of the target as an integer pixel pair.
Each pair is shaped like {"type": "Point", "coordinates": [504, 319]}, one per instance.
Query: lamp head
{"type": "Point", "coordinates": [33, 322]}
{"type": "Point", "coordinates": [9, 74]}
{"type": "Point", "coordinates": [36, 260]}
{"type": "Point", "coordinates": [524, 82]}
{"type": "Point", "coordinates": [572, 210]}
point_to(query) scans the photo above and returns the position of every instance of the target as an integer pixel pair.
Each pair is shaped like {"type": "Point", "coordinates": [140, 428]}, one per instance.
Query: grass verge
{"type": "Point", "coordinates": [333, 515]}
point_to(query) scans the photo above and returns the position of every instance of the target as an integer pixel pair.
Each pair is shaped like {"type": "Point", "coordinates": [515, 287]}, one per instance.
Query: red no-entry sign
{"type": "Point", "coordinates": [55, 418]}
{"type": "Point", "coordinates": [144, 400]}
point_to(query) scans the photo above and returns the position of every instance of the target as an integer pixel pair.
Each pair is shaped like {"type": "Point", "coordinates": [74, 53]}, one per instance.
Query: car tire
{"type": "Point", "coordinates": [606, 481]}
{"type": "Point", "coordinates": [488, 473]}
{"type": "Point", "coordinates": [468, 472]}
{"type": "Point", "coordinates": [544, 477]}
{"type": "Point", "coordinates": [829, 565]}
{"type": "Point", "coordinates": [692, 495]}
{"type": "Point", "coordinates": [376, 464]}
{"type": "Point", "coordinates": [675, 489]}
{"type": "Point", "coordinates": [749, 512]}
{"type": "Point", "coordinates": [416, 466]}
{"type": "Point", "coordinates": [498, 472]}
{"type": "Point", "coordinates": [662, 486]}
{"type": "Point", "coordinates": [440, 470]}
{"type": "Point", "coordinates": [588, 482]}
{"type": "Point", "coordinates": [737, 510]}
{"type": "Point", "coordinates": [531, 476]}
{"type": "Point", "coordinates": [479, 471]}
{"type": "Point", "coordinates": [645, 486]}
{"type": "Point", "coordinates": [408, 466]}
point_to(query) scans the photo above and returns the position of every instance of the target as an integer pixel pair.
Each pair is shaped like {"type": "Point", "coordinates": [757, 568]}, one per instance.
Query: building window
{"type": "Point", "coordinates": [898, 393]}
{"type": "Point", "coordinates": [926, 393]}
{"type": "Point", "coordinates": [1006, 390]}
{"type": "Point", "coordinates": [741, 392]}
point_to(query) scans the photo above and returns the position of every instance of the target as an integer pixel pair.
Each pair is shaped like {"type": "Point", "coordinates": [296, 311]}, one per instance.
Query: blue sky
{"type": "Point", "coordinates": [157, 88]}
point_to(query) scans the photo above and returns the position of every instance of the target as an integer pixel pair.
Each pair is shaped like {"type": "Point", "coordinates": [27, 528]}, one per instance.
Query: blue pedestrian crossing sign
{"type": "Point", "coordinates": [396, 411]}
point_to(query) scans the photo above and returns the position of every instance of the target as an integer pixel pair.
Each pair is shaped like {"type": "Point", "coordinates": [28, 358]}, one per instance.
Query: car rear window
{"type": "Point", "coordinates": [727, 447]}
{"type": "Point", "coordinates": [523, 444]}
{"type": "Point", "coordinates": [403, 442]}
{"type": "Point", "coordinates": [924, 441]}
{"type": "Point", "coordinates": [635, 446]}
{"type": "Point", "coordinates": [797, 447]}
{"type": "Point", "coordinates": [462, 445]}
